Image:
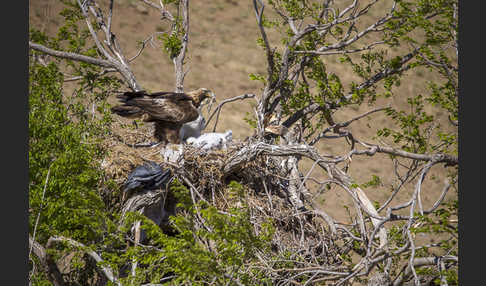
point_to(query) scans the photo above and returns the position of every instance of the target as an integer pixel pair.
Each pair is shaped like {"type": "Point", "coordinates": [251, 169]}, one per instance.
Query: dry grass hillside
{"type": "Point", "coordinates": [222, 53]}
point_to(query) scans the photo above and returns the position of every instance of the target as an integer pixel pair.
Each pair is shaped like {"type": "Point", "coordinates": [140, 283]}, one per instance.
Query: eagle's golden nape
{"type": "Point", "coordinates": [200, 95]}
{"type": "Point", "coordinates": [168, 110]}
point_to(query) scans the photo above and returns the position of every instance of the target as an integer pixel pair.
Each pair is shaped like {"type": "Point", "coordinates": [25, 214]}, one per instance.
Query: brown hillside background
{"type": "Point", "coordinates": [222, 53]}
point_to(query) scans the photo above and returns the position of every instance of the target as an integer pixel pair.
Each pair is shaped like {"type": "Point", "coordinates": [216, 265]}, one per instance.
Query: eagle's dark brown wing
{"type": "Point", "coordinates": [168, 109]}
{"type": "Point", "coordinates": [128, 111]}
{"type": "Point", "coordinates": [169, 94]}
{"type": "Point", "coordinates": [161, 106]}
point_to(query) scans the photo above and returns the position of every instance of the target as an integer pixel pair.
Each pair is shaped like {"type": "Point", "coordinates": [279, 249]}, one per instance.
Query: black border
{"type": "Point", "coordinates": [14, 118]}
{"type": "Point", "coordinates": [471, 144]}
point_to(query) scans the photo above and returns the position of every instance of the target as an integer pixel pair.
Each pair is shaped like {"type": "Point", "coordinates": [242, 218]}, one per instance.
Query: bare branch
{"type": "Point", "coordinates": [328, 219]}
{"type": "Point", "coordinates": [110, 14]}
{"type": "Point", "coordinates": [343, 124]}
{"type": "Point", "coordinates": [341, 52]}
{"type": "Point", "coordinates": [165, 14]}
{"type": "Point", "coordinates": [220, 105]}
{"type": "Point", "coordinates": [97, 41]}
{"type": "Point", "coordinates": [371, 28]}
{"type": "Point", "coordinates": [106, 269]}
{"type": "Point", "coordinates": [41, 205]}
{"type": "Point", "coordinates": [152, 4]}
{"type": "Point", "coordinates": [103, 72]}
{"type": "Point", "coordinates": [71, 56]}
{"type": "Point", "coordinates": [358, 195]}
{"type": "Point", "coordinates": [179, 59]}
{"type": "Point", "coordinates": [439, 158]}
{"type": "Point", "coordinates": [440, 199]}
{"type": "Point", "coordinates": [419, 262]}
{"type": "Point", "coordinates": [268, 51]}
{"type": "Point", "coordinates": [300, 113]}
{"type": "Point", "coordinates": [120, 65]}
{"type": "Point", "coordinates": [49, 265]}
{"type": "Point", "coordinates": [119, 62]}
{"type": "Point", "coordinates": [250, 152]}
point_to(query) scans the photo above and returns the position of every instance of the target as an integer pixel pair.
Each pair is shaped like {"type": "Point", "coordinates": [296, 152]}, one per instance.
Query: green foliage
{"type": "Point", "coordinates": [439, 223]}
{"type": "Point", "coordinates": [64, 141]}
{"type": "Point", "coordinates": [374, 182]}
{"type": "Point", "coordinates": [65, 135]}
{"type": "Point", "coordinates": [436, 21]}
{"type": "Point", "coordinates": [451, 276]}
{"type": "Point", "coordinates": [172, 41]}
{"type": "Point", "coordinates": [62, 144]}
{"type": "Point", "coordinates": [251, 120]}
{"type": "Point", "coordinates": [257, 77]}
{"type": "Point", "coordinates": [414, 126]}
{"type": "Point", "coordinates": [295, 8]}
{"type": "Point", "coordinates": [416, 15]}
{"type": "Point", "coordinates": [396, 235]}
{"type": "Point", "coordinates": [172, 44]}
{"type": "Point", "coordinates": [182, 194]}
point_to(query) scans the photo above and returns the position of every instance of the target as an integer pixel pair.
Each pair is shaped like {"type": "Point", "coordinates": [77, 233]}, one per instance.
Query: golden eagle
{"type": "Point", "coordinates": [168, 110]}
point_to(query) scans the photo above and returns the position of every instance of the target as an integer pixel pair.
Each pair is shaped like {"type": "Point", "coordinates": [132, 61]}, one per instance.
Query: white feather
{"type": "Point", "coordinates": [172, 152]}
{"type": "Point", "coordinates": [211, 140]}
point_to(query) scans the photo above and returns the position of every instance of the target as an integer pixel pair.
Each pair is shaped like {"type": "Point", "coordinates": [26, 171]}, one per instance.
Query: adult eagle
{"type": "Point", "coordinates": [168, 110]}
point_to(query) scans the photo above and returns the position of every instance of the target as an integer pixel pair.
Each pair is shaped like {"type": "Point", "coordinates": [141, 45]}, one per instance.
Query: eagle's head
{"type": "Point", "coordinates": [201, 95]}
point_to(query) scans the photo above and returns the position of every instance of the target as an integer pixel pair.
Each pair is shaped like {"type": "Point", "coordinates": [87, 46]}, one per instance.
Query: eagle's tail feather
{"type": "Point", "coordinates": [127, 110]}
{"type": "Point", "coordinates": [130, 94]}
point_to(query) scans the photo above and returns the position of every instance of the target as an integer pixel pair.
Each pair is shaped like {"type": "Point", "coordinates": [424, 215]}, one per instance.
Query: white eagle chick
{"type": "Point", "coordinates": [193, 128]}
{"type": "Point", "coordinates": [211, 140]}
